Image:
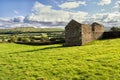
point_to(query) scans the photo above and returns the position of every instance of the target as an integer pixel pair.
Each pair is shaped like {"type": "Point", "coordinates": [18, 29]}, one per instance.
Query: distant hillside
{"type": "Point", "coordinates": [30, 29]}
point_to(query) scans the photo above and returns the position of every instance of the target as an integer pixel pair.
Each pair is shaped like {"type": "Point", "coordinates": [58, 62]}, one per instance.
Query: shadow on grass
{"type": "Point", "coordinates": [35, 50]}
{"type": "Point", "coordinates": [39, 43]}
{"type": "Point", "coordinates": [52, 47]}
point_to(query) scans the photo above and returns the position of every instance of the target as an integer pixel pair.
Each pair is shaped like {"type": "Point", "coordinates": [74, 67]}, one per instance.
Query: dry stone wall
{"type": "Point", "coordinates": [111, 35]}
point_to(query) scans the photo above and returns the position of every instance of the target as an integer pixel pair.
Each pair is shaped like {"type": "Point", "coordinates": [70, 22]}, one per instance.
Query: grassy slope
{"type": "Point", "coordinates": [99, 60]}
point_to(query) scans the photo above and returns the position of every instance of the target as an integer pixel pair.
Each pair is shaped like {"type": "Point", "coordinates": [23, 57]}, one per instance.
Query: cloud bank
{"type": "Point", "coordinates": [45, 13]}
{"type": "Point", "coordinates": [46, 16]}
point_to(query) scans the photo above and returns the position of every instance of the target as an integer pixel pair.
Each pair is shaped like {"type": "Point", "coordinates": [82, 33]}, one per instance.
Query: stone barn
{"type": "Point", "coordinates": [77, 34]}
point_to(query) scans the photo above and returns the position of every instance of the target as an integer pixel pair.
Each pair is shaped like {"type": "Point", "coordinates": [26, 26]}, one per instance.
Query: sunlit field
{"type": "Point", "coordinates": [98, 60]}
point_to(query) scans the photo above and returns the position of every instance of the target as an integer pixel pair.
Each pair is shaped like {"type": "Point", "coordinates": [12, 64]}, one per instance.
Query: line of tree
{"type": "Point", "coordinates": [115, 28]}
{"type": "Point", "coordinates": [42, 38]}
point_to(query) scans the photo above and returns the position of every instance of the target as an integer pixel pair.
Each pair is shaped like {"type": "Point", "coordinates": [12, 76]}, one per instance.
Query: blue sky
{"type": "Point", "coordinates": [11, 8]}
{"type": "Point", "coordinates": [104, 11]}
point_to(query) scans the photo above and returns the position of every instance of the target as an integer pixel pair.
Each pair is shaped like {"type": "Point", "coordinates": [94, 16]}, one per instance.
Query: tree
{"type": "Point", "coordinates": [115, 29]}
{"type": "Point", "coordinates": [13, 39]}
{"type": "Point", "coordinates": [44, 37]}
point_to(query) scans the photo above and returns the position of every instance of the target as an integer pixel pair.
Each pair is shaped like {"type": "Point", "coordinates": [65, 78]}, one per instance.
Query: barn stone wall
{"type": "Point", "coordinates": [86, 33]}
{"type": "Point", "coordinates": [97, 30]}
{"type": "Point", "coordinates": [79, 34]}
{"type": "Point", "coordinates": [73, 33]}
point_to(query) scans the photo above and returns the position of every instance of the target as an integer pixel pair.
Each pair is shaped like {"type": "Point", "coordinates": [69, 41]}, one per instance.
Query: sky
{"type": "Point", "coordinates": [84, 11]}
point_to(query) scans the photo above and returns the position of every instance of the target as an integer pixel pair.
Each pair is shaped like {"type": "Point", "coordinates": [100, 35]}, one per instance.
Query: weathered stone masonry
{"type": "Point", "coordinates": [77, 34]}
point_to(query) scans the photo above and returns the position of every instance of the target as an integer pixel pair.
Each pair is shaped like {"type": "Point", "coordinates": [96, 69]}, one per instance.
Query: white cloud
{"type": "Point", "coordinates": [16, 12]}
{"type": "Point", "coordinates": [47, 14]}
{"type": "Point", "coordinates": [102, 10]}
{"type": "Point", "coordinates": [1, 24]}
{"type": "Point", "coordinates": [113, 17]}
{"type": "Point", "coordinates": [4, 23]}
{"type": "Point", "coordinates": [104, 2]}
{"type": "Point", "coordinates": [4, 19]}
{"type": "Point", "coordinates": [117, 4]}
{"type": "Point", "coordinates": [38, 6]}
{"type": "Point", "coordinates": [71, 5]}
{"type": "Point", "coordinates": [54, 1]}
{"type": "Point", "coordinates": [18, 19]}
{"type": "Point", "coordinates": [106, 18]}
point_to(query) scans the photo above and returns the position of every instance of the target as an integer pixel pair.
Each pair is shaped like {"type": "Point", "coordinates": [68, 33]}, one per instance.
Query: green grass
{"type": "Point", "coordinates": [99, 60]}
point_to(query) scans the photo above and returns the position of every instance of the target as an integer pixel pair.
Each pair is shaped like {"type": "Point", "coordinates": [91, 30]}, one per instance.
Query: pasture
{"type": "Point", "coordinates": [98, 60]}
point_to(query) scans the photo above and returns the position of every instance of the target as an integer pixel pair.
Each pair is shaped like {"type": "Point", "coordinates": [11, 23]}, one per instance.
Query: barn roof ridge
{"type": "Point", "coordinates": [74, 21]}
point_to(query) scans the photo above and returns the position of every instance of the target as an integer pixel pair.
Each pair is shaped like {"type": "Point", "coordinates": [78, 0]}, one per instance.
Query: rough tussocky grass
{"type": "Point", "coordinates": [99, 60]}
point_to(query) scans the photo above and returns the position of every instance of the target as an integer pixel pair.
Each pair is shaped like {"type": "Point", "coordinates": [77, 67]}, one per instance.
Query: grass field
{"type": "Point", "coordinates": [99, 60]}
